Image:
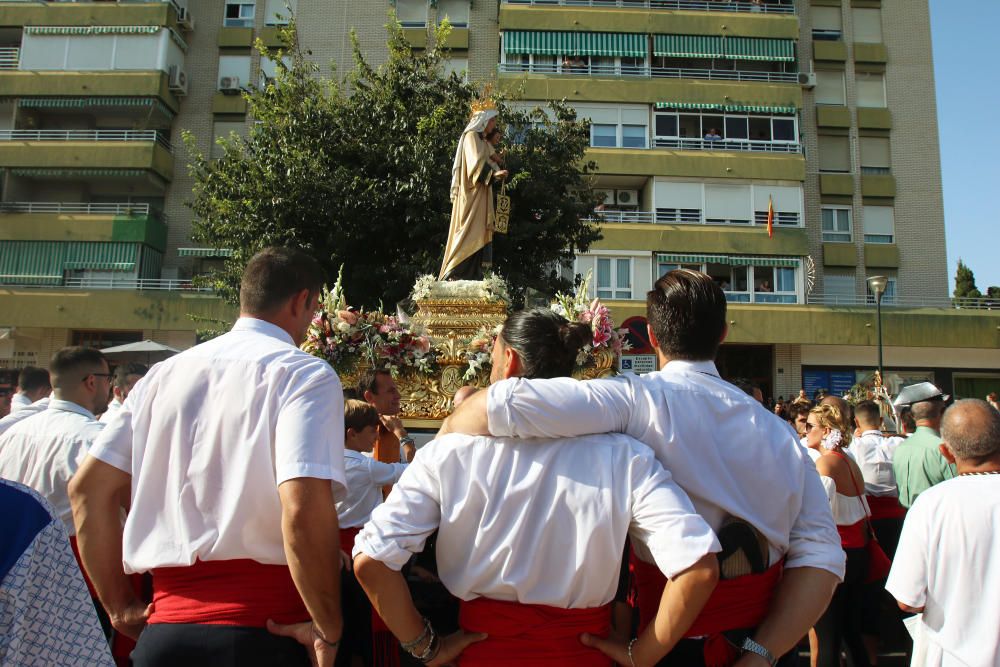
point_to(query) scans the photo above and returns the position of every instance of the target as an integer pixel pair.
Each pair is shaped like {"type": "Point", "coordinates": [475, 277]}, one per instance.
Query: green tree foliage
{"type": "Point", "coordinates": [359, 174]}
{"type": "Point", "coordinates": [965, 283]}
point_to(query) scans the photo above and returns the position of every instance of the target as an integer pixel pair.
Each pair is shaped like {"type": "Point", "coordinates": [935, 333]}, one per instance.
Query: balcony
{"type": "Point", "coordinates": [85, 222]}
{"type": "Point", "coordinates": [60, 152]}
{"type": "Point", "coordinates": [672, 216]}
{"type": "Point", "coordinates": [112, 283]}
{"type": "Point", "coordinates": [766, 7]}
{"type": "Point", "coordinates": [10, 57]}
{"type": "Point", "coordinates": [75, 13]}
{"type": "Point", "coordinates": [92, 84]}
{"type": "Point", "coordinates": [726, 145]}
{"type": "Point", "coordinates": [643, 71]}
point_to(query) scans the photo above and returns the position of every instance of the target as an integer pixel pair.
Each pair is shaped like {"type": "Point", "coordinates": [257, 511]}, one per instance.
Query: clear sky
{"type": "Point", "coordinates": [966, 51]}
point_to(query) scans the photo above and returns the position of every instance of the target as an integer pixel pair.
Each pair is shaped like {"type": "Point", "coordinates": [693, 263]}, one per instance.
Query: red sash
{"type": "Point", "coordinates": [385, 649]}
{"type": "Point", "coordinates": [737, 603]}
{"type": "Point", "coordinates": [854, 536]}
{"type": "Point", "coordinates": [531, 635]}
{"type": "Point", "coordinates": [885, 507]}
{"type": "Point", "coordinates": [226, 592]}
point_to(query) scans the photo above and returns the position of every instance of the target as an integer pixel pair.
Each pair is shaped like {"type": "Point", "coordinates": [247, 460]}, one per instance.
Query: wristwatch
{"type": "Point", "coordinates": [750, 646]}
{"type": "Point", "coordinates": [406, 440]}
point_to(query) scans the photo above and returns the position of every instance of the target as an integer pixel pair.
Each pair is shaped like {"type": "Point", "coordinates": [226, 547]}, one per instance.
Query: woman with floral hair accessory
{"type": "Point", "coordinates": [827, 436]}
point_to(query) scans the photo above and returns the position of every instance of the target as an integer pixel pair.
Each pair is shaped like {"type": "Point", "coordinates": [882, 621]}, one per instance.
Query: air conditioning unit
{"type": "Point", "coordinates": [178, 80]}
{"type": "Point", "coordinates": [230, 85]}
{"type": "Point", "coordinates": [627, 197]}
{"type": "Point", "coordinates": [184, 18]}
{"type": "Point", "coordinates": [607, 197]}
{"type": "Point", "coordinates": [807, 79]}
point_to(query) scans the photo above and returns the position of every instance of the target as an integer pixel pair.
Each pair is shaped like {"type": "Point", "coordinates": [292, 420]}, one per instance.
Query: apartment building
{"type": "Point", "coordinates": [705, 114]}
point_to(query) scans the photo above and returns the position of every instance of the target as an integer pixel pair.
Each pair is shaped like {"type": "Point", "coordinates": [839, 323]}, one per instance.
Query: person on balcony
{"type": "Point", "coordinates": [713, 135]}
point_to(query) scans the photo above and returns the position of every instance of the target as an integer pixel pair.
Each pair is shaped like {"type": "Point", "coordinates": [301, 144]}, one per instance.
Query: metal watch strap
{"type": "Point", "coordinates": [406, 440]}
{"type": "Point", "coordinates": [750, 646]}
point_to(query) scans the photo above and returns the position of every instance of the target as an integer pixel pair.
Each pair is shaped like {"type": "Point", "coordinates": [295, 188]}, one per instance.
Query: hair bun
{"type": "Point", "coordinates": [574, 335]}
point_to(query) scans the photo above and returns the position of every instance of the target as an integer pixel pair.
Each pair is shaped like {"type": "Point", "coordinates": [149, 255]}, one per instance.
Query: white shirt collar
{"type": "Point", "coordinates": [871, 432]}
{"type": "Point", "coordinates": [681, 365]}
{"type": "Point", "coordinates": [70, 406]}
{"type": "Point", "coordinates": [262, 327]}
{"type": "Point", "coordinates": [350, 453]}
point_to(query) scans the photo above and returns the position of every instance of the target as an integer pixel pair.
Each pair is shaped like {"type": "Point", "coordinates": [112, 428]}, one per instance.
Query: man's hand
{"type": "Point", "coordinates": [321, 654]}
{"type": "Point", "coordinates": [453, 645]}
{"type": "Point", "coordinates": [394, 424]}
{"type": "Point", "coordinates": [131, 620]}
{"type": "Point", "coordinates": [614, 647]}
{"type": "Point", "coordinates": [501, 174]}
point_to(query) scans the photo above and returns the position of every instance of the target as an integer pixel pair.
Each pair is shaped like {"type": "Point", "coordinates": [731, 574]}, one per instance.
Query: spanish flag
{"type": "Point", "coordinates": [770, 217]}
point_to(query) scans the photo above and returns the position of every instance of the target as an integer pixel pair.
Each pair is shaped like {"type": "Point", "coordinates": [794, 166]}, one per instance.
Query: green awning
{"type": "Point", "coordinates": [546, 43]}
{"type": "Point", "coordinates": [731, 108]}
{"type": "Point", "coordinates": [788, 262]}
{"type": "Point", "coordinates": [674, 258]}
{"type": "Point", "coordinates": [101, 256]}
{"type": "Point", "coordinates": [31, 262]}
{"type": "Point", "coordinates": [204, 252]}
{"type": "Point", "coordinates": [712, 46]}
{"type": "Point", "coordinates": [78, 173]}
{"type": "Point", "coordinates": [92, 30]}
{"type": "Point", "coordinates": [91, 102]}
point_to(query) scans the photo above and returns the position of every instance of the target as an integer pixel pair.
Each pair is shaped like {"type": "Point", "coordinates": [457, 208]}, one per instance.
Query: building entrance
{"type": "Point", "coordinates": [752, 364]}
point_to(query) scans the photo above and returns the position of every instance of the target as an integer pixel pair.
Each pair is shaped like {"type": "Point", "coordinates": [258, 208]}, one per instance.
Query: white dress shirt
{"type": "Point", "coordinates": [45, 450]}
{"type": "Point", "coordinates": [14, 417]}
{"type": "Point", "coordinates": [18, 402]}
{"type": "Point", "coordinates": [873, 453]}
{"type": "Point", "coordinates": [951, 542]}
{"type": "Point", "coordinates": [731, 455]}
{"type": "Point", "coordinates": [536, 522]}
{"type": "Point", "coordinates": [114, 406]}
{"type": "Point", "coordinates": [209, 434]}
{"type": "Point", "coordinates": [365, 479]}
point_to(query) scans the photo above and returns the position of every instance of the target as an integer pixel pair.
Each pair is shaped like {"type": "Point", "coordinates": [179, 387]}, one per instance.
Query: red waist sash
{"type": "Point", "coordinates": [226, 592]}
{"type": "Point", "coordinates": [737, 603]}
{"type": "Point", "coordinates": [854, 536]}
{"type": "Point", "coordinates": [530, 635]}
{"type": "Point", "coordinates": [885, 507]}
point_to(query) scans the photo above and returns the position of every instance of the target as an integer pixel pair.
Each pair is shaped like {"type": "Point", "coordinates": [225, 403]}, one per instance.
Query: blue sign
{"type": "Point", "coordinates": [815, 380]}
{"type": "Point", "coordinates": [841, 382]}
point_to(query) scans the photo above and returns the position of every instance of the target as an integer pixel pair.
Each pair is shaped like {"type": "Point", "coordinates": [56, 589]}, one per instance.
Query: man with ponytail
{"type": "Point", "coordinates": [531, 537]}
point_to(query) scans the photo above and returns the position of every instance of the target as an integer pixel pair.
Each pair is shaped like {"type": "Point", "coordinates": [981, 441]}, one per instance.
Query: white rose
{"type": "Point", "coordinates": [343, 327]}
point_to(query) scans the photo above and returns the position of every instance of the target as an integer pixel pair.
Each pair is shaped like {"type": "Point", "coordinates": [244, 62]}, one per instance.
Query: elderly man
{"type": "Point", "coordinates": [732, 456]}
{"type": "Point", "coordinates": [951, 538]}
{"type": "Point", "coordinates": [917, 462]}
{"type": "Point", "coordinates": [232, 452]}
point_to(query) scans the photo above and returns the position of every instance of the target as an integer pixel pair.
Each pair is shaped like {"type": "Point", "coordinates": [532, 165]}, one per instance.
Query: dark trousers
{"type": "Point", "coordinates": [191, 645]}
{"type": "Point", "coordinates": [842, 621]}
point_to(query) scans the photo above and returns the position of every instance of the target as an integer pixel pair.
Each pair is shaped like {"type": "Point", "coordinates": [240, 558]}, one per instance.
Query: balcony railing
{"type": "Point", "coordinates": [10, 57]}
{"type": "Point", "coordinates": [74, 208]}
{"type": "Point", "coordinates": [650, 72]}
{"type": "Point", "coordinates": [697, 5]}
{"type": "Point", "coordinates": [86, 135]}
{"type": "Point", "coordinates": [726, 145]}
{"type": "Point", "coordinates": [142, 284]}
{"type": "Point", "coordinates": [622, 216]}
{"type": "Point", "coordinates": [985, 303]}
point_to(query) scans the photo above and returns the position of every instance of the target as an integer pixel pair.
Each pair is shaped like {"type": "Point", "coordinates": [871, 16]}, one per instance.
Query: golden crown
{"type": "Point", "coordinates": [485, 101]}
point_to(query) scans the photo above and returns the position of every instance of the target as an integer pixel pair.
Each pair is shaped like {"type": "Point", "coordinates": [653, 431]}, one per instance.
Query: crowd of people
{"type": "Point", "coordinates": [235, 504]}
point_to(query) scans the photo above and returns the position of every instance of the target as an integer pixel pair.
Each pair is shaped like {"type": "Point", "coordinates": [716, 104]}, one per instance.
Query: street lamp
{"type": "Point", "coordinates": [877, 285]}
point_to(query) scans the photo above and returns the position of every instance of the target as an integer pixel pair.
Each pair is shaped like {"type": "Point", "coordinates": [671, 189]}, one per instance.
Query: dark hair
{"type": "Point", "coordinates": [907, 419]}
{"type": "Point", "coordinates": [793, 410]}
{"type": "Point", "coordinates": [122, 371]}
{"type": "Point", "coordinates": [868, 412]}
{"type": "Point", "coordinates": [687, 311]}
{"type": "Point", "coordinates": [32, 378]}
{"type": "Point", "coordinates": [72, 364]}
{"type": "Point", "coordinates": [546, 342]}
{"type": "Point", "coordinates": [368, 381]}
{"type": "Point", "coordinates": [275, 275]}
{"type": "Point", "coordinates": [359, 415]}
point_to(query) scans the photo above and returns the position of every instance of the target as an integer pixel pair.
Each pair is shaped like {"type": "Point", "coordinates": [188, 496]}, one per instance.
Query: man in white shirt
{"type": "Point", "coordinates": [44, 451]}
{"type": "Point", "coordinates": [733, 457]}
{"type": "Point", "coordinates": [951, 573]}
{"type": "Point", "coordinates": [8, 422]}
{"type": "Point", "coordinates": [32, 384]}
{"type": "Point", "coordinates": [232, 452]}
{"type": "Point", "coordinates": [123, 379]}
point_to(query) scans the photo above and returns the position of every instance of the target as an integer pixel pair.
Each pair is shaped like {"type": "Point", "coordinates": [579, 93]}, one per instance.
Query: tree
{"type": "Point", "coordinates": [359, 175]}
{"type": "Point", "coordinates": [965, 283]}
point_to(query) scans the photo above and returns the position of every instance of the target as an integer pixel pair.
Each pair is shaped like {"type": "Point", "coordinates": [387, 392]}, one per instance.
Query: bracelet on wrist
{"type": "Point", "coordinates": [409, 646]}
{"type": "Point", "coordinates": [630, 645]}
{"type": "Point", "coordinates": [433, 649]}
{"type": "Point", "coordinates": [318, 635]}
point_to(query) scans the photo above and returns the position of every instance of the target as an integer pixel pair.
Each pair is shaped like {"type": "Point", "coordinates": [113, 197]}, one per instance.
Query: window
{"type": "Point", "coordinates": [277, 13]}
{"type": "Point", "coordinates": [741, 280]}
{"type": "Point", "coordinates": [830, 88]}
{"type": "Point", "coordinates": [880, 224]}
{"type": "Point", "coordinates": [888, 297]}
{"type": "Point", "coordinates": [633, 136]}
{"type": "Point", "coordinates": [238, 14]}
{"type": "Point", "coordinates": [737, 127]}
{"type": "Point", "coordinates": [677, 202]}
{"type": "Point", "coordinates": [871, 90]}
{"type": "Point", "coordinates": [269, 68]}
{"type": "Point", "coordinates": [614, 126]}
{"type": "Point", "coordinates": [234, 67]}
{"type": "Point", "coordinates": [838, 287]}
{"type": "Point", "coordinates": [222, 129]}
{"type": "Point", "coordinates": [834, 154]}
{"type": "Point", "coordinates": [836, 224]}
{"type": "Point", "coordinates": [774, 284]}
{"type": "Point", "coordinates": [787, 202]}
{"type": "Point", "coordinates": [875, 155]}
{"type": "Point", "coordinates": [666, 125]}
{"type": "Point", "coordinates": [867, 25]}
{"type": "Point", "coordinates": [614, 277]}
{"type": "Point", "coordinates": [727, 204]}
{"type": "Point", "coordinates": [412, 13]}
{"type": "Point", "coordinates": [459, 66]}
{"type": "Point", "coordinates": [603, 135]}
{"type": "Point", "coordinates": [103, 339]}
{"type": "Point", "coordinates": [827, 23]}
{"type": "Point", "coordinates": [783, 129]}
{"type": "Point", "coordinates": [457, 12]}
